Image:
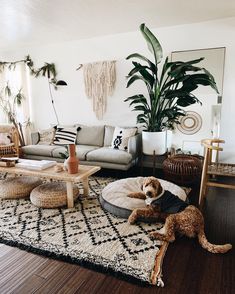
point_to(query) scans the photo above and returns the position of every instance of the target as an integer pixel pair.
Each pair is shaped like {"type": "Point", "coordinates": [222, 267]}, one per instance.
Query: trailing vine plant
{"type": "Point", "coordinates": [10, 100]}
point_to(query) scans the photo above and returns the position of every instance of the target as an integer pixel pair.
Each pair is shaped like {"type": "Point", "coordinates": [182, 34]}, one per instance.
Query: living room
{"type": "Point", "coordinates": [74, 34]}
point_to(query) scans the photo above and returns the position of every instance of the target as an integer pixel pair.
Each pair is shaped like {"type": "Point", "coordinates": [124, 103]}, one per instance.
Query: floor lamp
{"type": "Point", "coordinates": [58, 83]}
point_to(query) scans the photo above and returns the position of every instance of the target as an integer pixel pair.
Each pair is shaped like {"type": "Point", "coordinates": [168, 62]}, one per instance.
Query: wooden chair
{"type": "Point", "coordinates": [11, 149]}
{"type": "Point", "coordinates": [212, 168]}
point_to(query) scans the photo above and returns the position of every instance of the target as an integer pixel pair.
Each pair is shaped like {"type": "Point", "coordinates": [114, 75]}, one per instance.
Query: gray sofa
{"type": "Point", "coordinates": [92, 148]}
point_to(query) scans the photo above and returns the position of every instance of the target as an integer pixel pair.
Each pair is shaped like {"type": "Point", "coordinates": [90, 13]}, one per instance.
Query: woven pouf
{"type": "Point", "coordinates": [52, 195]}
{"type": "Point", "coordinates": [114, 196]}
{"type": "Point", "coordinates": [182, 169]}
{"type": "Point", "coordinates": [18, 187]}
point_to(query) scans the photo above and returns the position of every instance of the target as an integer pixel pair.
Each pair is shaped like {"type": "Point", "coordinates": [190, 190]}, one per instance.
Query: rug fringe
{"type": "Point", "coordinates": [84, 263]}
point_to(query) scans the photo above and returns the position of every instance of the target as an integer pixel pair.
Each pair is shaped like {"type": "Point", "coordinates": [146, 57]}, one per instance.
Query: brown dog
{"type": "Point", "coordinates": [179, 216]}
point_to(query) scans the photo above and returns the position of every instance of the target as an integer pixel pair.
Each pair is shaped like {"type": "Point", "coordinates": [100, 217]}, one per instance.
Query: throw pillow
{"type": "Point", "coordinates": [121, 137]}
{"type": "Point", "coordinates": [46, 137]}
{"type": "Point", "coordinates": [64, 135]}
{"type": "Point", "coordinates": [5, 139]}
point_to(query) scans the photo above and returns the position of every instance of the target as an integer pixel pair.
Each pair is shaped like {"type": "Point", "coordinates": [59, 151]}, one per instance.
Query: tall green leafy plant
{"type": "Point", "coordinates": [169, 90]}
{"type": "Point", "coordinates": [9, 102]}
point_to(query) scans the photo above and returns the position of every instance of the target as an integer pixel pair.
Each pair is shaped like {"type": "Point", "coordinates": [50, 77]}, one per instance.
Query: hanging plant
{"type": "Point", "coordinates": [9, 100]}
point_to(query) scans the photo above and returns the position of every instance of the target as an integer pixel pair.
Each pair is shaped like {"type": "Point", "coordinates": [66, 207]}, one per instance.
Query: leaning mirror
{"type": "Point", "coordinates": [201, 121]}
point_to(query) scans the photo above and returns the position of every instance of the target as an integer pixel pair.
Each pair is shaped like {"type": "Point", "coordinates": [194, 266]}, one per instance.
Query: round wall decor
{"type": "Point", "coordinates": [190, 124]}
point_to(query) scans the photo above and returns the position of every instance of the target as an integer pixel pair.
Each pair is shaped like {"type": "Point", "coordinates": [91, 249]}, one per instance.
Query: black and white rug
{"type": "Point", "coordinates": [86, 235]}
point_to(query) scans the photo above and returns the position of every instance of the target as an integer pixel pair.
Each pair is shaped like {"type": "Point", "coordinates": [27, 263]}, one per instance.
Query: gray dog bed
{"type": "Point", "coordinates": [114, 196]}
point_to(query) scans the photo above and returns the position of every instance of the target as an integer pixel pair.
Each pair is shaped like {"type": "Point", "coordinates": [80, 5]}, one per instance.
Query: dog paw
{"type": "Point", "coordinates": [152, 236]}
{"type": "Point", "coordinates": [131, 195]}
{"type": "Point", "coordinates": [131, 221]}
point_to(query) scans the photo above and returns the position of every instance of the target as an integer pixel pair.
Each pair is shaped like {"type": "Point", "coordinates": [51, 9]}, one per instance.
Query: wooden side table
{"type": "Point", "coordinates": [153, 161]}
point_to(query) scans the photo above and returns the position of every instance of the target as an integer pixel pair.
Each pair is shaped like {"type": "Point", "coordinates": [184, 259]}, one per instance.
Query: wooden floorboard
{"type": "Point", "coordinates": [187, 268]}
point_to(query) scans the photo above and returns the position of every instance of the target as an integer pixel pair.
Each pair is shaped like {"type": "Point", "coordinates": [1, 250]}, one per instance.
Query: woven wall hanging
{"type": "Point", "coordinates": [190, 124]}
{"type": "Point", "coordinates": [99, 79]}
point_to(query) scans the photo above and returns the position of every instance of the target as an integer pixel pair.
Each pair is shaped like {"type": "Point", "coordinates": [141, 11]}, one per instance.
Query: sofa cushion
{"type": "Point", "coordinates": [91, 135]}
{"type": "Point", "coordinates": [107, 154]}
{"type": "Point", "coordinates": [64, 136]}
{"type": "Point", "coordinates": [46, 137]}
{"type": "Point", "coordinates": [81, 151]}
{"type": "Point", "coordinates": [121, 137]}
{"type": "Point", "coordinates": [40, 150]}
{"type": "Point", "coordinates": [108, 135]}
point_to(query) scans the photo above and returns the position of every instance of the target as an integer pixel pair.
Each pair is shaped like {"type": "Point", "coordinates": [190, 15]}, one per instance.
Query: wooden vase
{"type": "Point", "coordinates": [72, 161]}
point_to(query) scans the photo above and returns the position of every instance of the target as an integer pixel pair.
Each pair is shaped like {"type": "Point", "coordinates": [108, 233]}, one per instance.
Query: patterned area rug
{"type": "Point", "coordinates": [86, 235]}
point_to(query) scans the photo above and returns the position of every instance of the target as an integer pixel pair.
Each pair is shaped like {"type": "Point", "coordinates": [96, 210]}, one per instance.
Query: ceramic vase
{"type": "Point", "coordinates": [72, 161]}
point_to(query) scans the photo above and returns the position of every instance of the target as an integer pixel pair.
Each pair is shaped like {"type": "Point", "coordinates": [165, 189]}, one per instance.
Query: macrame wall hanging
{"type": "Point", "coordinates": [99, 79]}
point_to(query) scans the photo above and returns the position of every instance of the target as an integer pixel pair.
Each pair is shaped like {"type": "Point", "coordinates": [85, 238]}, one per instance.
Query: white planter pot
{"type": "Point", "coordinates": [154, 141]}
{"type": "Point", "coordinates": [169, 134]}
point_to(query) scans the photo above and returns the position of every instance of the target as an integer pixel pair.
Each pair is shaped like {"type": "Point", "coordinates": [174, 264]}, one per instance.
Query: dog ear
{"type": "Point", "coordinates": [159, 188]}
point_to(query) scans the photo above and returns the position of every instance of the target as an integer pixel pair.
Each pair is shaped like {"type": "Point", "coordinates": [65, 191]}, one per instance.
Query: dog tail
{"type": "Point", "coordinates": [211, 247]}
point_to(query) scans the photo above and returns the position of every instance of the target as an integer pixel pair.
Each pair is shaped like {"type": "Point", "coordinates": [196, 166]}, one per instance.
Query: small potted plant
{"type": "Point", "coordinates": [169, 90]}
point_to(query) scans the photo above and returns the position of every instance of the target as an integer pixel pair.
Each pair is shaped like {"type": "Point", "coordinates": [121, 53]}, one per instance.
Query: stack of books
{"type": "Point", "coordinates": [35, 164]}
{"type": "Point", "coordinates": [8, 161]}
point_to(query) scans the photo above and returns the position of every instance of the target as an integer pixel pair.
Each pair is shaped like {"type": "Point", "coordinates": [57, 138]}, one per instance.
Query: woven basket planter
{"type": "Point", "coordinates": [18, 187]}
{"type": "Point", "coordinates": [182, 169]}
{"type": "Point", "coordinates": [52, 195]}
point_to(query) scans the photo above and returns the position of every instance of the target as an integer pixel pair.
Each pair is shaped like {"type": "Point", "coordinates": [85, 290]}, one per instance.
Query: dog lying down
{"type": "Point", "coordinates": [178, 215]}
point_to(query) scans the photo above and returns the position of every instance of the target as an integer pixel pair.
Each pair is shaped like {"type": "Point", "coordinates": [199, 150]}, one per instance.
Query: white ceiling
{"type": "Point", "coordinates": [47, 21]}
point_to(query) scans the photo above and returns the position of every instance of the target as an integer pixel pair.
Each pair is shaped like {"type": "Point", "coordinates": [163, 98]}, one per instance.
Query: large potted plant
{"type": "Point", "coordinates": [169, 90]}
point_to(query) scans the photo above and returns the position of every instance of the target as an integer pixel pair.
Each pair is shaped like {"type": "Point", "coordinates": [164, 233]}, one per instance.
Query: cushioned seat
{"type": "Point", "coordinates": [107, 154]}
{"type": "Point", "coordinates": [114, 195]}
{"type": "Point", "coordinates": [43, 150]}
{"type": "Point", "coordinates": [52, 195]}
{"type": "Point", "coordinates": [81, 151]}
{"type": "Point", "coordinates": [18, 187]}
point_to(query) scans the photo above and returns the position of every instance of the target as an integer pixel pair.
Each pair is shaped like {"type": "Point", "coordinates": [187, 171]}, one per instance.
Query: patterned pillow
{"type": "Point", "coordinates": [46, 137]}
{"type": "Point", "coordinates": [121, 137]}
{"type": "Point", "coordinates": [64, 135]}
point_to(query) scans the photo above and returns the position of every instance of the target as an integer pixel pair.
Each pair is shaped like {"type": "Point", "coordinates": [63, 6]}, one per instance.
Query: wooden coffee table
{"type": "Point", "coordinates": [82, 176]}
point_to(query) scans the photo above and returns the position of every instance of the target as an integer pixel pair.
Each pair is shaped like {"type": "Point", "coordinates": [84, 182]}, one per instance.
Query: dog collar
{"type": "Point", "coordinates": [148, 201]}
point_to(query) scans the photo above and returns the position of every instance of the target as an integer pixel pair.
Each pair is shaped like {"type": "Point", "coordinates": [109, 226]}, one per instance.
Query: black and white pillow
{"type": "Point", "coordinates": [121, 137]}
{"type": "Point", "coordinates": [64, 135]}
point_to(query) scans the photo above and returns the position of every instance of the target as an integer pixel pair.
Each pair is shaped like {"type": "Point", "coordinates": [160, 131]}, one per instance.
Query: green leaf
{"type": "Point", "coordinates": [134, 97]}
{"type": "Point", "coordinates": [136, 78]}
{"type": "Point", "coordinates": [152, 42]}
{"type": "Point", "coordinates": [141, 57]}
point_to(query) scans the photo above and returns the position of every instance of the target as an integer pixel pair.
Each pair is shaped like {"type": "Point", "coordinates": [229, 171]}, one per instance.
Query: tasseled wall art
{"type": "Point", "coordinates": [99, 79]}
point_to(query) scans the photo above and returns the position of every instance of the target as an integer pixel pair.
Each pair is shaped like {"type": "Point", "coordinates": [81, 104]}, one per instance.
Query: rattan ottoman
{"type": "Point", "coordinates": [18, 187]}
{"type": "Point", "coordinates": [182, 169]}
{"type": "Point", "coordinates": [52, 195]}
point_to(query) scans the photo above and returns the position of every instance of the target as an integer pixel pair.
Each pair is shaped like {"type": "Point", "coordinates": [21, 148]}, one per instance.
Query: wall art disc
{"type": "Point", "coordinates": [190, 124]}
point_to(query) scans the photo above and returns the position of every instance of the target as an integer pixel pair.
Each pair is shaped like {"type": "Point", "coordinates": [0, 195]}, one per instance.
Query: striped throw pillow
{"type": "Point", "coordinates": [64, 135]}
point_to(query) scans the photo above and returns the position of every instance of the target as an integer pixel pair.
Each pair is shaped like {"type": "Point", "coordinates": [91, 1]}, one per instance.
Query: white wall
{"type": "Point", "coordinates": [72, 104]}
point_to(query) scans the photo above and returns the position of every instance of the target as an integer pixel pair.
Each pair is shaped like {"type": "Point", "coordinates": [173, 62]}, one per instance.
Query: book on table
{"type": "Point", "coordinates": [35, 164]}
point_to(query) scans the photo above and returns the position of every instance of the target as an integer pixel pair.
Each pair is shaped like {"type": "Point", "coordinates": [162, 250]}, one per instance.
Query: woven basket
{"type": "Point", "coordinates": [18, 187]}
{"type": "Point", "coordinates": [182, 169]}
{"type": "Point", "coordinates": [52, 195]}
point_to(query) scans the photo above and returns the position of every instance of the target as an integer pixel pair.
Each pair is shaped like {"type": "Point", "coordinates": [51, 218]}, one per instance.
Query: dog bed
{"type": "Point", "coordinates": [114, 196]}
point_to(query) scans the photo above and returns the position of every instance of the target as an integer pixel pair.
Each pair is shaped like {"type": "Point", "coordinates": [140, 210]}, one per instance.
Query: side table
{"type": "Point", "coordinates": [152, 161]}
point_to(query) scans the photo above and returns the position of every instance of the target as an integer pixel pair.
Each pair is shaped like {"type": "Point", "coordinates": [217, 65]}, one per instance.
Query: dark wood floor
{"type": "Point", "coordinates": [187, 267]}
